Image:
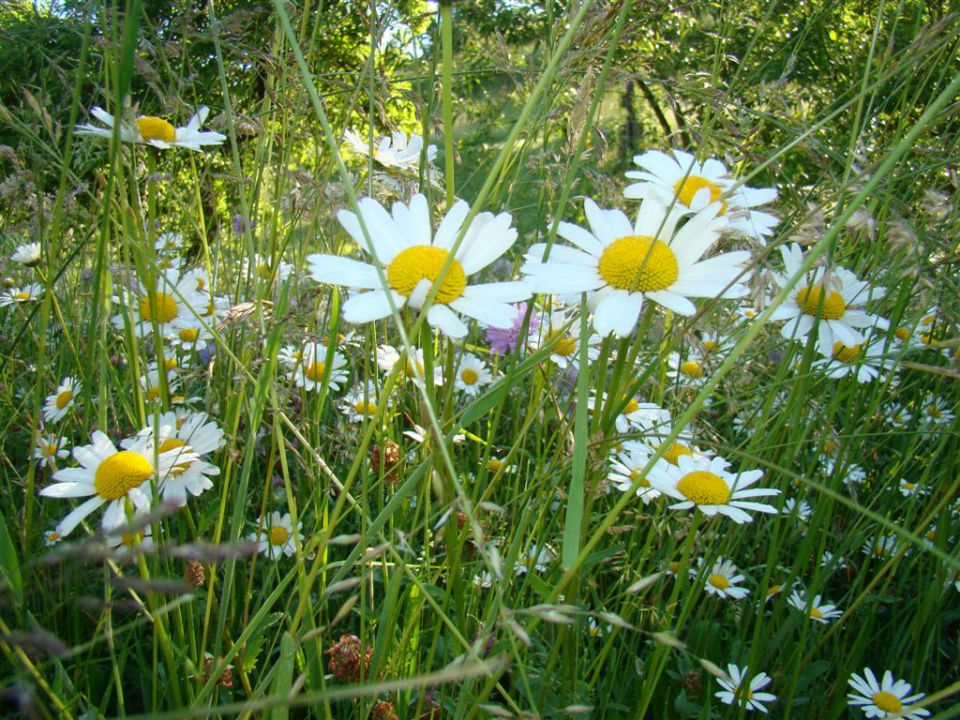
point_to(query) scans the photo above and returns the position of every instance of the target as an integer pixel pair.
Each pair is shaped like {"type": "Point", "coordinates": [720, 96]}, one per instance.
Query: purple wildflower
{"type": "Point", "coordinates": [505, 341]}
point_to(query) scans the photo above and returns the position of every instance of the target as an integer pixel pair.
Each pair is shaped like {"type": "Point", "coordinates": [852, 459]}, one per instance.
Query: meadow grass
{"type": "Point", "coordinates": [371, 534]}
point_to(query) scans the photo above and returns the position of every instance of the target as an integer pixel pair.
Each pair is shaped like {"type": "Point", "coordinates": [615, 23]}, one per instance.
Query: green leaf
{"type": "Point", "coordinates": [9, 563]}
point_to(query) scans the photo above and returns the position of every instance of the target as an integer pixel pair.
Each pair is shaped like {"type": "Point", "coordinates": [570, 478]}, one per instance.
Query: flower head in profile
{"type": "Point", "coordinates": [15, 295]}
{"type": "Point", "coordinates": [411, 363]}
{"type": "Point", "coordinates": [110, 477]}
{"type": "Point", "coordinates": [362, 402]}
{"type": "Point", "coordinates": [275, 536]}
{"type": "Point", "coordinates": [887, 699]}
{"type": "Point", "coordinates": [154, 131]}
{"type": "Point", "coordinates": [27, 254]}
{"type": "Point", "coordinates": [626, 469]}
{"type": "Point", "coordinates": [396, 150]}
{"type": "Point", "coordinates": [412, 256]}
{"type": "Point", "coordinates": [831, 302]}
{"type": "Point", "coordinates": [57, 405]}
{"type": "Point", "coordinates": [737, 691]}
{"type": "Point", "coordinates": [818, 612]}
{"type": "Point", "coordinates": [680, 179]}
{"type": "Point", "coordinates": [707, 485]}
{"type": "Point", "coordinates": [620, 264]}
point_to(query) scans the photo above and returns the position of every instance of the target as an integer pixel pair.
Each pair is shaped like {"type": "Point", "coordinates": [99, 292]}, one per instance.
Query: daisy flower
{"type": "Point", "coordinates": [538, 559]}
{"type": "Point", "coordinates": [411, 256]}
{"type": "Point", "coordinates": [896, 414]}
{"type": "Point", "coordinates": [633, 415]}
{"type": "Point", "coordinates": [682, 180]}
{"type": "Point", "coordinates": [715, 344]}
{"type": "Point", "coordinates": [155, 131]}
{"type": "Point", "coordinates": [723, 580]}
{"type": "Point", "coordinates": [174, 299]}
{"type": "Point", "coordinates": [737, 691]}
{"type": "Point", "coordinates": [111, 477]}
{"type": "Point", "coordinates": [15, 296]}
{"type": "Point", "coordinates": [626, 466]}
{"type": "Point", "coordinates": [59, 403]}
{"type": "Point", "coordinates": [911, 489]}
{"type": "Point", "coordinates": [801, 509]}
{"type": "Point", "coordinates": [820, 613]}
{"type": "Point", "coordinates": [882, 546]}
{"type": "Point", "coordinates": [311, 367]}
{"type": "Point", "coordinates": [865, 361]}
{"type": "Point", "coordinates": [395, 151]}
{"type": "Point", "coordinates": [275, 536]}
{"type": "Point", "coordinates": [388, 356]}
{"type": "Point", "coordinates": [49, 449]}
{"type": "Point", "coordinates": [884, 699]}
{"type": "Point", "coordinates": [706, 484]}
{"type": "Point", "coordinates": [265, 268]}
{"type": "Point", "coordinates": [472, 375]}
{"type": "Point", "coordinates": [689, 371]}
{"type": "Point", "coordinates": [27, 254]}
{"type": "Point", "coordinates": [126, 544]}
{"type": "Point", "coordinates": [150, 383]}
{"type": "Point", "coordinates": [195, 438]}
{"type": "Point", "coordinates": [562, 331]}
{"type": "Point", "coordinates": [830, 302]}
{"type": "Point", "coordinates": [935, 412]}
{"type": "Point", "coordinates": [620, 265]}
{"type": "Point", "coordinates": [362, 402]}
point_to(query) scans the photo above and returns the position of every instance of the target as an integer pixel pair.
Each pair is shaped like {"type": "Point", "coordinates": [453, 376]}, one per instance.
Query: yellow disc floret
{"type": "Point", "coordinates": [314, 371]}
{"type": "Point", "coordinates": [120, 473]}
{"type": "Point", "coordinates": [888, 702]}
{"type": "Point", "coordinates": [638, 263]}
{"type": "Point", "coordinates": [165, 306]}
{"type": "Point", "coordinates": [154, 128]}
{"type": "Point", "coordinates": [189, 335]}
{"type": "Point", "coordinates": [365, 408]}
{"type": "Point", "coordinates": [816, 301]}
{"type": "Point", "coordinates": [278, 535]}
{"type": "Point", "coordinates": [704, 488]}
{"type": "Point", "coordinates": [845, 353]}
{"type": "Point", "coordinates": [688, 187]}
{"type": "Point", "coordinates": [469, 376]}
{"type": "Point", "coordinates": [635, 475]}
{"type": "Point", "coordinates": [63, 399]}
{"type": "Point", "coordinates": [719, 581]}
{"type": "Point", "coordinates": [563, 345]}
{"type": "Point", "coordinates": [173, 444]}
{"type": "Point", "coordinates": [423, 262]}
{"type": "Point", "coordinates": [673, 453]}
{"type": "Point", "coordinates": [691, 369]}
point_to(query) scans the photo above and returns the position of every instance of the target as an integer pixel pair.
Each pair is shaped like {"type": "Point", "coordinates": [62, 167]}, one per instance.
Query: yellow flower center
{"type": "Point", "coordinates": [691, 368]}
{"type": "Point", "coordinates": [469, 376]}
{"type": "Point", "coordinates": [750, 313]}
{"type": "Point", "coordinates": [189, 335]}
{"type": "Point", "coordinates": [21, 296]}
{"type": "Point", "coordinates": [845, 353]}
{"type": "Point", "coordinates": [888, 702]}
{"type": "Point", "coordinates": [635, 475]}
{"type": "Point", "coordinates": [773, 590]}
{"type": "Point", "coordinates": [631, 407]}
{"type": "Point", "coordinates": [826, 304]}
{"type": "Point", "coordinates": [719, 581]}
{"type": "Point", "coordinates": [129, 539]}
{"type": "Point", "coordinates": [209, 310]}
{"type": "Point", "coordinates": [278, 535]}
{"type": "Point", "coordinates": [166, 308]}
{"type": "Point", "coordinates": [927, 320]}
{"type": "Point", "coordinates": [154, 128]}
{"type": "Point", "coordinates": [908, 485]}
{"type": "Point", "coordinates": [704, 488]}
{"type": "Point", "coordinates": [314, 371]}
{"type": "Point", "coordinates": [173, 444]}
{"type": "Point", "coordinates": [50, 450]}
{"type": "Point", "coordinates": [673, 567]}
{"type": "Point", "coordinates": [365, 408]}
{"type": "Point", "coordinates": [63, 399]}
{"type": "Point", "coordinates": [674, 452]}
{"type": "Point", "coordinates": [816, 614]}
{"type": "Point", "coordinates": [934, 412]}
{"type": "Point", "coordinates": [153, 393]}
{"type": "Point", "coordinates": [709, 345]}
{"type": "Point", "coordinates": [53, 536]}
{"type": "Point", "coordinates": [170, 363]}
{"type": "Point", "coordinates": [120, 473]}
{"type": "Point", "coordinates": [688, 187]}
{"type": "Point", "coordinates": [563, 346]}
{"type": "Point", "coordinates": [423, 262]}
{"type": "Point", "coordinates": [638, 263]}
{"type": "Point", "coordinates": [902, 333]}
{"type": "Point", "coordinates": [493, 464]}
